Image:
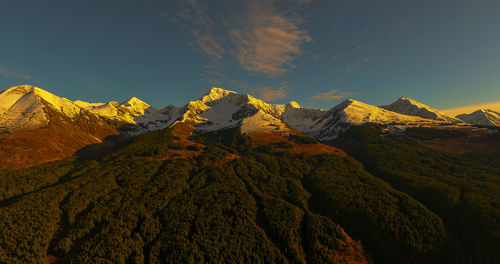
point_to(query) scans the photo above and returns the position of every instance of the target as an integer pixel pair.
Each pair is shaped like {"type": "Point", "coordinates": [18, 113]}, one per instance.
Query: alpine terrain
{"type": "Point", "coordinates": [485, 117]}
{"type": "Point", "coordinates": [229, 178]}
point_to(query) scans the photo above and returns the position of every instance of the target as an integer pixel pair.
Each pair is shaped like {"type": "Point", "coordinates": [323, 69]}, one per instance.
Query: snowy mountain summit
{"type": "Point", "coordinates": [27, 107]}
{"type": "Point", "coordinates": [485, 117]}
{"type": "Point", "coordinates": [408, 106]}
{"type": "Point", "coordinates": [351, 112]}
{"type": "Point", "coordinates": [220, 108]}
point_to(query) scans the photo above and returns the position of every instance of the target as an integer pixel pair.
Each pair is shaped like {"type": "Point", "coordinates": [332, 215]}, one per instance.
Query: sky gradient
{"type": "Point", "coordinates": [318, 52]}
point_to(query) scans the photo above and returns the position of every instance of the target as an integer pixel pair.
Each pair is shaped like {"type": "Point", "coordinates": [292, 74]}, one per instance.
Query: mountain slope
{"type": "Point", "coordinates": [464, 190]}
{"type": "Point", "coordinates": [221, 109]}
{"type": "Point", "coordinates": [26, 108]}
{"type": "Point", "coordinates": [23, 107]}
{"type": "Point", "coordinates": [134, 115]}
{"type": "Point", "coordinates": [37, 127]}
{"type": "Point", "coordinates": [408, 106]}
{"type": "Point", "coordinates": [485, 117]}
{"type": "Point", "coordinates": [328, 124]}
{"type": "Point", "coordinates": [259, 207]}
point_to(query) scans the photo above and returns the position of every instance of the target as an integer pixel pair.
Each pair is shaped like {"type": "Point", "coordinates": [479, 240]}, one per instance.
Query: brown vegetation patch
{"type": "Point", "coordinates": [267, 139]}
{"type": "Point", "coordinates": [176, 154]}
{"type": "Point", "coordinates": [475, 144]}
{"type": "Point", "coordinates": [60, 139]}
{"type": "Point", "coordinates": [353, 253]}
{"type": "Point", "coordinates": [226, 159]}
{"type": "Point", "coordinates": [183, 131]}
{"type": "Point", "coordinates": [51, 259]}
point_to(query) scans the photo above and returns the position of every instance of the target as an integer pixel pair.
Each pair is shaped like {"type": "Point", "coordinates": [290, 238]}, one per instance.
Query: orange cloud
{"type": "Point", "coordinates": [267, 93]}
{"type": "Point", "coordinates": [208, 45]}
{"type": "Point", "coordinates": [331, 95]}
{"type": "Point", "coordinates": [202, 30]}
{"type": "Point", "coordinates": [262, 38]}
{"type": "Point", "coordinates": [268, 40]}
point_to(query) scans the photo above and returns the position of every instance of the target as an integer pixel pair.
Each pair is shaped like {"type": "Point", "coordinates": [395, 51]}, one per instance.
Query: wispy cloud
{"type": "Point", "coordinates": [268, 40]}
{"type": "Point", "coordinates": [239, 84]}
{"type": "Point", "coordinates": [213, 74]}
{"type": "Point", "coordinates": [202, 30]}
{"type": "Point", "coordinates": [92, 81]}
{"type": "Point", "coordinates": [267, 93]}
{"type": "Point", "coordinates": [331, 95]}
{"type": "Point", "coordinates": [256, 35]}
{"type": "Point", "coordinates": [15, 75]}
{"type": "Point", "coordinates": [206, 39]}
{"type": "Point", "coordinates": [208, 45]}
{"type": "Point", "coordinates": [355, 65]}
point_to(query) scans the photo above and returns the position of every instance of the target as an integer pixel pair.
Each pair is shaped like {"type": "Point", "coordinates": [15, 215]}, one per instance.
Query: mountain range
{"type": "Point", "coordinates": [231, 178]}
{"type": "Point", "coordinates": [58, 127]}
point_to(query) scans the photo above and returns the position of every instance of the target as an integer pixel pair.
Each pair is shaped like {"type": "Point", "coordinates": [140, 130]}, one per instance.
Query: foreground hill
{"type": "Point", "coordinates": [464, 190]}
{"type": "Point", "coordinates": [141, 204]}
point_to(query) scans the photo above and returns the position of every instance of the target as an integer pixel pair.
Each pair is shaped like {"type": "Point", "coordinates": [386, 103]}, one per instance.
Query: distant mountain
{"type": "Point", "coordinates": [132, 116]}
{"type": "Point", "coordinates": [495, 106]}
{"type": "Point", "coordinates": [408, 106]}
{"type": "Point", "coordinates": [485, 117]}
{"type": "Point", "coordinates": [216, 109]}
{"type": "Point", "coordinates": [220, 108]}
{"type": "Point", "coordinates": [326, 125]}
{"type": "Point", "coordinates": [25, 109]}
{"type": "Point", "coordinates": [37, 127]}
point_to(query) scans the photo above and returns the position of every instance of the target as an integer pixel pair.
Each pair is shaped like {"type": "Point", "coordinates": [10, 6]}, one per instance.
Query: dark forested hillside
{"type": "Point", "coordinates": [464, 190]}
{"type": "Point", "coordinates": [260, 206]}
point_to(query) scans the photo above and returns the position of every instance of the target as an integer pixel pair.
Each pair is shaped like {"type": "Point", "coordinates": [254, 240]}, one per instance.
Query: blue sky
{"type": "Point", "coordinates": [317, 52]}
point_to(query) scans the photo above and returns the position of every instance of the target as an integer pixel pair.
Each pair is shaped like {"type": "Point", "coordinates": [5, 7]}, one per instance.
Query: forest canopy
{"type": "Point", "coordinates": [408, 206]}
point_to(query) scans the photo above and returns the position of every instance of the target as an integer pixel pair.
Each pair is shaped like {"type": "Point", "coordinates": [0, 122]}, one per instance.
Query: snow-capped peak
{"type": "Point", "coordinates": [408, 106]}
{"type": "Point", "coordinates": [136, 106]}
{"type": "Point", "coordinates": [328, 124]}
{"type": "Point", "coordinates": [12, 95]}
{"type": "Point", "coordinates": [25, 107]}
{"type": "Point", "coordinates": [221, 108]}
{"type": "Point", "coordinates": [215, 94]}
{"type": "Point", "coordinates": [294, 104]}
{"type": "Point", "coordinates": [485, 117]}
{"type": "Point", "coordinates": [134, 101]}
